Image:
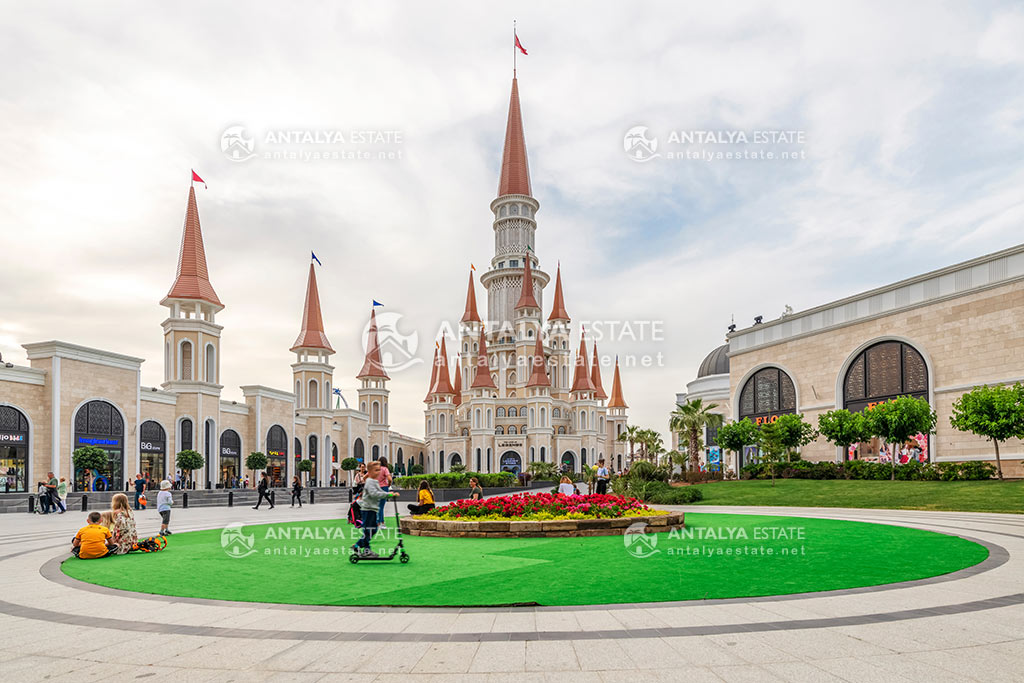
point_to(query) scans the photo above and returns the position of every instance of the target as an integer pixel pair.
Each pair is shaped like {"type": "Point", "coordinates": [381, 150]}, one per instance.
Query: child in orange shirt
{"type": "Point", "coordinates": [93, 541]}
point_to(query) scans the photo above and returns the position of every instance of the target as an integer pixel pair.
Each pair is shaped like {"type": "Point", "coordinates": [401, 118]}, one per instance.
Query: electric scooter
{"type": "Point", "coordinates": [398, 551]}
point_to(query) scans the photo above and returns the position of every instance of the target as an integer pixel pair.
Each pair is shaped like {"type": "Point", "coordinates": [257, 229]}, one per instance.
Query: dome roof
{"type": "Point", "coordinates": [716, 362]}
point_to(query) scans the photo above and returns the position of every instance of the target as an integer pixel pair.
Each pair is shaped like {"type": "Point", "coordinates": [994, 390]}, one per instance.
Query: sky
{"type": "Point", "coordinates": [903, 125]}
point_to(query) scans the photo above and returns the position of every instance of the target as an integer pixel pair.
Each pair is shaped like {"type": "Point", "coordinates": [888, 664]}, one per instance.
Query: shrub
{"type": "Point", "coordinates": [544, 505]}
{"type": "Point", "coordinates": [646, 471]}
{"type": "Point", "coordinates": [663, 494]}
{"type": "Point", "coordinates": [455, 480]}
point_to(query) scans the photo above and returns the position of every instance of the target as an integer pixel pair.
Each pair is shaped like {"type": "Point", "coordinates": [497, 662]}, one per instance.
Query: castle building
{"type": "Point", "coordinates": [71, 396]}
{"type": "Point", "coordinates": [519, 395]}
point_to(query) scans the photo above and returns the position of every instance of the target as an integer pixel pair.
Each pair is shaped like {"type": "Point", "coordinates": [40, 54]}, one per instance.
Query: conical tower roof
{"type": "Point", "coordinates": [595, 376]}
{"type": "Point", "coordinates": [311, 334]}
{"type": "Point", "coordinates": [526, 297]}
{"type": "Point", "coordinates": [457, 399]}
{"type": "Point", "coordinates": [539, 376]}
{"type": "Point", "coordinates": [372, 366]}
{"type": "Point", "coordinates": [193, 278]}
{"type": "Point", "coordinates": [616, 400]}
{"type": "Point", "coordinates": [558, 311]}
{"type": "Point", "coordinates": [515, 170]}
{"type": "Point", "coordinates": [471, 314]}
{"type": "Point", "coordinates": [483, 367]}
{"type": "Point", "coordinates": [442, 385]}
{"type": "Point", "coordinates": [581, 380]}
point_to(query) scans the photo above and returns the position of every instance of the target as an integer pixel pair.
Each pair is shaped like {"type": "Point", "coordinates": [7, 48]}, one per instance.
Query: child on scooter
{"type": "Point", "coordinates": [373, 494]}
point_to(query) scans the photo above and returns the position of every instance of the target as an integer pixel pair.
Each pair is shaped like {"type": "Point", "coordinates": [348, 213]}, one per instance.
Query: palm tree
{"type": "Point", "coordinates": [630, 434]}
{"type": "Point", "coordinates": [689, 420]}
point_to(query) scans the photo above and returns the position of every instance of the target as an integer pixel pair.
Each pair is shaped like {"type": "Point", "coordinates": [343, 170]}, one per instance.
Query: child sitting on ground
{"type": "Point", "coordinates": [93, 541]}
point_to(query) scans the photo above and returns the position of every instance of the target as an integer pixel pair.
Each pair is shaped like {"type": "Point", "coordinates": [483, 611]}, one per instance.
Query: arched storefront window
{"type": "Point", "coordinates": [298, 448]}
{"type": "Point", "coordinates": [768, 393]}
{"type": "Point", "coordinates": [230, 458]}
{"type": "Point", "coordinates": [152, 451]}
{"type": "Point", "coordinates": [277, 455]}
{"type": "Point", "coordinates": [880, 373]}
{"type": "Point", "coordinates": [376, 452]}
{"type": "Point", "coordinates": [208, 432]}
{"type": "Point", "coordinates": [14, 450]}
{"type": "Point", "coordinates": [185, 435]}
{"type": "Point", "coordinates": [98, 423]}
{"type": "Point", "coordinates": [358, 450]}
{"type": "Point", "coordinates": [334, 453]}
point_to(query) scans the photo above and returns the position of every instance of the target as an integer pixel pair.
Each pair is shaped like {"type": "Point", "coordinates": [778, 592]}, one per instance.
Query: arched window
{"type": "Point", "coordinates": [543, 417]}
{"type": "Point", "coordinates": [767, 394]}
{"type": "Point", "coordinates": [522, 430]}
{"type": "Point", "coordinates": [230, 456]}
{"type": "Point", "coordinates": [533, 454]}
{"type": "Point", "coordinates": [375, 417]}
{"type": "Point", "coordinates": [298, 448]}
{"type": "Point", "coordinates": [211, 364]}
{"type": "Point", "coordinates": [532, 423]}
{"type": "Point", "coordinates": [583, 419]}
{"type": "Point", "coordinates": [499, 430]}
{"type": "Point", "coordinates": [314, 392]}
{"type": "Point", "coordinates": [561, 430]}
{"type": "Point", "coordinates": [430, 425]}
{"type": "Point", "coordinates": [152, 449]}
{"type": "Point", "coordinates": [501, 412]}
{"type": "Point", "coordinates": [556, 412]}
{"type": "Point", "coordinates": [465, 432]}
{"type": "Point", "coordinates": [313, 453]}
{"type": "Point", "coordinates": [277, 455]}
{"type": "Point", "coordinates": [334, 452]}
{"type": "Point", "coordinates": [327, 394]}
{"type": "Point", "coordinates": [490, 422]}
{"type": "Point", "coordinates": [511, 429]}
{"type": "Point", "coordinates": [565, 373]}
{"type": "Point", "coordinates": [185, 435]}
{"type": "Point", "coordinates": [512, 412]}
{"type": "Point", "coordinates": [358, 451]}
{"type": "Point", "coordinates": [362, 407]}
{"type": "Point", "coordinates": [376, 452]}
{"type": "Point", "coordinates": [882, 372]}
{"type": "Point", "coordinates": [476, 418]}
{"type": "Point", "coordinates": [441, 423]}
{"type": "Point", "coordinates": [542, 454]}
{"type": "Point", "coordinates": [185, 361]}
{"type": "Point", "coordinates": [99, 423]}
{"type": "Point", "coordinates": [298, 394]}
{"type": "Point", "coordinates": [583, 456]}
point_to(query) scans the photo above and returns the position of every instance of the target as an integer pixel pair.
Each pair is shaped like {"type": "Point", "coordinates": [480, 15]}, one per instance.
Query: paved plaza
{"type": "Point", "coordinates": [965, 626]}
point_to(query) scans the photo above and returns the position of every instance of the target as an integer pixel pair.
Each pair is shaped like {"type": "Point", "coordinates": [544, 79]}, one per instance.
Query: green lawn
{"type": "Point", "coordinates": [969, 496]}
{"type": "Point", "coordinates": [722, 556]}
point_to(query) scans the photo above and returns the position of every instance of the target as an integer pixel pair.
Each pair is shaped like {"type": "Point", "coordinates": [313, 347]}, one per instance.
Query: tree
{"type": "Point", "coordinates": [677, 458]}
{"type": "Point", "coordinates": [996, 413]}
{"type": "Point", "coordinates": [350, 464]}
{"type": "Point", "coordinates": [629, 435]}
{"type": "Point", "coordinates": [737, 434]}
{"type": "Point", "coordinates": [90, 458]}
{"type": "Point", "coordinates": [772, 443]}
{"type": "Point", "coordinates": [689, 420]}
{"type": "Point", "coordinates": [188, 461]}
{"type": "Point", "coordinates": [898, 420]}
{"type": "Point", "coordinates": [842, 429]}
{"type": "Point", "coordinates": [256, 461]}
{"type": "Point", "coordinates": [305, 465]}
{"type": "Point", "coordinates": [792, 433]}
{"type": "Point", "coordinates": [544, 471]}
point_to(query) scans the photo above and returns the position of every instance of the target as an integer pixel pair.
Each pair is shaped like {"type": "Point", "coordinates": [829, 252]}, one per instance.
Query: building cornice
{"type": "Point", "coordinates": [260, 391]}
{"type": "Point", "coordinates": [49, 349]}
{"type": "Point", "coordinates": [234, 407]}
{"type": "Point", "coordinates": [192, 325]}
{"type": "Point", "coordinates": [958, 280]}
{"type": "Point", "coordinates": [310, 366]}
{"type": "Point", "coordinates": [192, 387]}
{"type": "Point", "coordinates": [23, 375]}
{"type": "Point", "coordinates": [154, 395]}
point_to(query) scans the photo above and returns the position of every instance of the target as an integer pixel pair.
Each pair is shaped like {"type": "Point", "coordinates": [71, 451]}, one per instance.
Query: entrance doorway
{"type": "Point", "coordinates": [99, 423]}
{"type": "Point", "coordinates": [152, 452]}
{"type": "Point", "coordinates": [568, 462]}
{"type": "Point", "coordinates": [511, 462]}
{"type": "Point", "coordinates": [230, 458]}
{"type": "Point", "coordinates": [277, 456]}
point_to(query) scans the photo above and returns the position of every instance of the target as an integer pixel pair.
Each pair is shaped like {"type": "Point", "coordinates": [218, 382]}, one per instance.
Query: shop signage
{"type": "Point", "coordinates": [151, 446]}
{"type": "Point", "coordinates": [229, 451]}
{"type": "Point", "coordinates": [516, 443]}
{"type": "Point", "coordinates": [511, 460]}
{"type": "Point", "coordinates": [8, 437]}
{"type": "Point", "coordinates": [277, 454]}
{"type": "Point", "coordinates": [91, 441]}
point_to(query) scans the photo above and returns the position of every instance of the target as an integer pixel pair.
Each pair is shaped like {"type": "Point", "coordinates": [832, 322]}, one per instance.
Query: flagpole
{"type": "Point", "coordinates": [514, 36]}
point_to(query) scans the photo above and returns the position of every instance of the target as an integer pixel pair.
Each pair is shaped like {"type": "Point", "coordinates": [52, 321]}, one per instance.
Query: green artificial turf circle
{"type": "Point", "coordinates": [719, 556]}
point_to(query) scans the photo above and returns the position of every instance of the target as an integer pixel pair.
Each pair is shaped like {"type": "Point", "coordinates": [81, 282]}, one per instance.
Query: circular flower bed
{"type": "Point", "coordinates": [541, 507]}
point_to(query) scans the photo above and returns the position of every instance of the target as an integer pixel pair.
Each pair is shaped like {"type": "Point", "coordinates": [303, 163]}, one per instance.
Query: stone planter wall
{"type": "Point", "coordinates": [517, 529]}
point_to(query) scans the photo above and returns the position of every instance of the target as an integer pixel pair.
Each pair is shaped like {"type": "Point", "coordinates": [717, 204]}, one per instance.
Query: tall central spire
{"type": "Point", "coordinates": [515, 170]}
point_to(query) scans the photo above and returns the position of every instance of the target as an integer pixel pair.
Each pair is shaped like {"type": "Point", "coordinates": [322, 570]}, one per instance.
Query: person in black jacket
{"type": "Point", "coordinates": [264, 492]}
{"type": "Point", "coordinates": [296, 491]}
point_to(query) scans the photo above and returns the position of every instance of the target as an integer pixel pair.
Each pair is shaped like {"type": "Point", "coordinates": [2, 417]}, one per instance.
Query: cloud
{"type": "Point", "coordinates": [912, 115]}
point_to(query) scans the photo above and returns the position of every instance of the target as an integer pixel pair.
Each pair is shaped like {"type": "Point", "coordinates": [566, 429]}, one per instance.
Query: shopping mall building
{"type": "Point", "coordinates": [71, 396]}
{"type": "Point", "coordinates": [934, 336]}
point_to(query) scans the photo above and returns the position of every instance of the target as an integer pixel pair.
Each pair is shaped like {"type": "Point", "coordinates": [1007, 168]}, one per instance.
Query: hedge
{"type": "Point", "coordinates": [457, 480]}
{"type": "Point", "coordinates": [863, 470]}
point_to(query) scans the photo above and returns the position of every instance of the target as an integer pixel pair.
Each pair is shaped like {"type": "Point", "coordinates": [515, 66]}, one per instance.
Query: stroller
{"type": "Point", "coordinates": [355, 514]}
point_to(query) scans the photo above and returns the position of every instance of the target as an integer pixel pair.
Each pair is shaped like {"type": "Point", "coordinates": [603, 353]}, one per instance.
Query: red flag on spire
{"type": "Point", "coordinates": [197, 179]}
{"type": "Point", "coordinates": [520, 45]}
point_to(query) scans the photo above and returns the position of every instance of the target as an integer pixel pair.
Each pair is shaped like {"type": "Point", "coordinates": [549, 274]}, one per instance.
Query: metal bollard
{"type": "Point", "coordinates": [312, 496]}
{"type": "Point", "coordinates": [350, 496]}
{"type": "Point", "coordinates": [31, 504]}
{"type": "Point", "coordinates": [85, 502]}
{"type": "Point", "coordinates": [231, 499]}
{"type": "Point", "coordinates": [273, 497]}
{"type": "Point", "coordinates": [184, 500]}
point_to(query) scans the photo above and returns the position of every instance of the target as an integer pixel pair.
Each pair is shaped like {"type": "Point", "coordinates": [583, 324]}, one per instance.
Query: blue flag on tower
{"type": "Point", "coordinates": [377, 303]}
{"type": "Point", "coordinates": [315, 258]}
